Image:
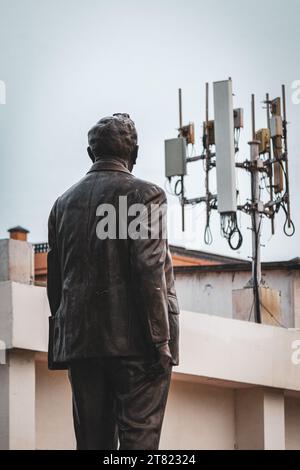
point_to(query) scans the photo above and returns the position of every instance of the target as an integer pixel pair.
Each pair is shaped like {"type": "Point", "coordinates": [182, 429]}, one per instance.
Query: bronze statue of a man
{"type": "Point", "coordinates": [114, 312]}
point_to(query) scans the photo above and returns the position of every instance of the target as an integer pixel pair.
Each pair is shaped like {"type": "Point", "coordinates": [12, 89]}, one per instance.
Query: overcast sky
{"type": "Point", "coordinates": [66, 63]}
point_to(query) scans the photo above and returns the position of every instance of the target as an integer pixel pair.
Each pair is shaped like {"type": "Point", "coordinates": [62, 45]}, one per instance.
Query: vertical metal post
{"type": "Point", "coordinates": [256, 223]}
{"type": "Point", "coordinates": [271, 183]}
{"type": "Point", "coordinates": [182, 204]}
{"type": "Point", "coordinates": [180, 111]}
{"type": "Point", "coordinates": [256, 231]}
{"type": "Point", "coordinates": [253, 117]}
{"type": "Point", "coordinates": [286, 159]}
{"type": "Point", "coordinates": [207, 155]}
{"type": "Point", "coordinates": [182, 177]}
{"type": "Point", "coordinates": [206, 105]}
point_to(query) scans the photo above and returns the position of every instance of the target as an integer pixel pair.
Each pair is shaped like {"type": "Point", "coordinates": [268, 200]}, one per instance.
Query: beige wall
{"type": "Point", "coordinates": [249, 419]}
{"type": "Point", "coordinates": [292, 423]}
{"type": "Point", "coordinates": [218, 357]}
{"type": "Point", "coordinates": [211, 292]}
{"type": "Point", "coordinates": [17, 401]}
{"type": "Point", "coordinates": [198, 417]}
{"type": "Point", "coordinates": [54, 425]}
{"type": "Point", "coordinates": [236, 380]}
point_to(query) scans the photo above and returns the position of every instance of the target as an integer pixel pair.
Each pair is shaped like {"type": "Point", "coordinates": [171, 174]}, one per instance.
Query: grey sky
{"type": "Point", "coordinates": [66, 63]}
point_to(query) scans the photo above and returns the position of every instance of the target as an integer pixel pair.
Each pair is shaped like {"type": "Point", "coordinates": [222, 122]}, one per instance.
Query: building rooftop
{"type": "Point", "coordinates": [18, 228]}
{"type": "Point", "coordinates": [187, 257]}
{"type": "Point", "coordinates": [291, 265]}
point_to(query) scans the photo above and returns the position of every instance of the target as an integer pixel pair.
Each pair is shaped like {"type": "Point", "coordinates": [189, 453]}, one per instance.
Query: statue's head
{"type": "Point", "coordinates": [114, 137]}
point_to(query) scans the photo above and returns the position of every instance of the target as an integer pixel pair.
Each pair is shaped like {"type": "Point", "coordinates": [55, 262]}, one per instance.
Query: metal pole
{"type": "Point", "coordinates": [207, 156]}
{"type": "Point", "coordinates": [256, 224]}
{"type": "Point", "coordinates": [271, 167]}
{"type": "Point", "coordinates": [180, 110]}
{"type": "Point", "coordinates": [207, 103]}
{"type": "Point", "coordinates": [256, 231]}
{"type": "Point", "coordinates": [286, 157]}
{"type": "Point", "coordinates": [182, 177]}
{"type": "Point", "coordinates": [256, 200]}
{"type": "Point", "coordinates": [253, 117]}
{"type": "Point", "coordinates": [182, 204]}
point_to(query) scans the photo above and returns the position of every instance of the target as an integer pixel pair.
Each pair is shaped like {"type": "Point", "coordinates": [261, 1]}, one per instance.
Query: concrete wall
{"type": "Point", "coordinates": [17, 401]}
{"type": "Point", "coordinates": [54, 423]}
{"type": "Point", "coordinates": [210, 346]}
{"type": "Point", "coordinates": [211, 292]}
{"type": "Point", "coordinates": [260, 419]}
{"type": "Point", "coordinates": [199, 417]}
{"type": "Point", "coordinates": [292, 423]}
{"type": "Point", "coordinates": [17, 261]}
{"type": "Point", "coordinates": [236, 386]}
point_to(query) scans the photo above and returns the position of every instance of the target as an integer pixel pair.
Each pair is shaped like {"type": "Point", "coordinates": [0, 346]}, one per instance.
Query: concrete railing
{"type": "Point", "coordinates": [212, 348]}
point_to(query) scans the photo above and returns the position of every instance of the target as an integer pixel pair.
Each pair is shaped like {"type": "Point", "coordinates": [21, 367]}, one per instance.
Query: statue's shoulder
{"type": "Point", "coordinates": [72, 191]}
{"type": "Point", "coordinates": [148, 190]}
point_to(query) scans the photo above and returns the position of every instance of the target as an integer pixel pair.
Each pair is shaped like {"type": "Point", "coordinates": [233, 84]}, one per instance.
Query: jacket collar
{"type": "Point", "coordinates": [109, 165]}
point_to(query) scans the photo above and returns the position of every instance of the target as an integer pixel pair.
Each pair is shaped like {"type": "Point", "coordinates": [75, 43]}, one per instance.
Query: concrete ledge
{"type": "Point", "coordinates": [212, 348]}
{"type": "Point", "coordinates": [237, 351]}
{"type": "Point", "coordinates": [24, 312]}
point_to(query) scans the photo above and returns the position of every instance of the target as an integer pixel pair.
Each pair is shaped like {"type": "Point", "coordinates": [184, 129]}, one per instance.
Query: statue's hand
{"type": "Point", "coordinates": [163, 360]}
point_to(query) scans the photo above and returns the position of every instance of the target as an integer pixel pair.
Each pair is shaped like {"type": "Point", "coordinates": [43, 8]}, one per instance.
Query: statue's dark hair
{"type": "Point", "coordinates": [113, 137]}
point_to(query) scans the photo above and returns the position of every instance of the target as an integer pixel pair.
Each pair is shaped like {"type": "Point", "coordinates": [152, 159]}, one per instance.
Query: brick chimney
{"type": "Point", "coordinates": [18, 233]}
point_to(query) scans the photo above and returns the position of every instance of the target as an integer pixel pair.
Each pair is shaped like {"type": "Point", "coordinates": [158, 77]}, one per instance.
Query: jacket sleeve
{"type": "Point", "coordinates": [174, 310]}
{"type": "Point", "coordinates": [169, 273]}
{"type": "Point", "coordinates": [148, 257]}
{"type": "Point", "coordinates": [53, 265]}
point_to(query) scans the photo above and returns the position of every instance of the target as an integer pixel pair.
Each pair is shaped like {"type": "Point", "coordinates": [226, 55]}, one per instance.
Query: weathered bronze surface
{"type": "Point", "coordinates": [111, 300]}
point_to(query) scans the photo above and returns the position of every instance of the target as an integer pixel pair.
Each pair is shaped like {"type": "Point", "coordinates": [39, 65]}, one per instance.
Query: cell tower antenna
{"type": "Point", "coordinates": [268, 162]}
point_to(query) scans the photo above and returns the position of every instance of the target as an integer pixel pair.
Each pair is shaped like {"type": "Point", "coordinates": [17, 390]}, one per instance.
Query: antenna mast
{"type": "Point", "coordinates": [256, 206]}
{"type": "Point", "coordinates": [268, 162]}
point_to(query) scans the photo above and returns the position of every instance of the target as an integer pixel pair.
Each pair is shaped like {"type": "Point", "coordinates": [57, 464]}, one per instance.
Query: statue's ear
{"type": "Point", "coordinates": [91, 155]}
{"type": "Point", "coordinates": [133, 158]}
{"type": "Point", "coordinates": [134, 155]}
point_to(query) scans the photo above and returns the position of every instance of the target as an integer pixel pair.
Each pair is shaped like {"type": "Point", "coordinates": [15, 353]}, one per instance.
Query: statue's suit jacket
{"type": "Point", "coordinates": [112, 297]}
